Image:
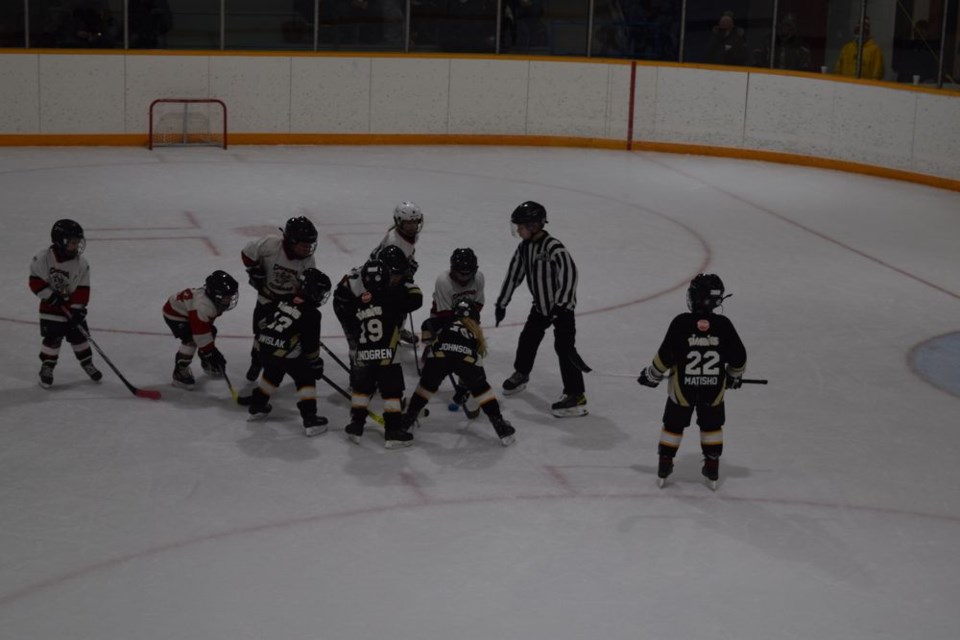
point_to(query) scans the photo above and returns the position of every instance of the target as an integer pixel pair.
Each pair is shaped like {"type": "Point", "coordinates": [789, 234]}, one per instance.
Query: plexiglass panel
{"type": "Point", "coordinates": [12, 25]}
{"type": "Point", "coordinates": [194, 24]}
{"type": "Point", "coordinates": [733, 33]}
{"type": "Point", "coordinates": [548, 27]}
{"type": "Point", "coordinates": [87, 24]}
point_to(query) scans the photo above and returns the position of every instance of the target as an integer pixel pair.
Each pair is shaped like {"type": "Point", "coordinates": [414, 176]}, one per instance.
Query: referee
{"type": "Point", "coordinates": [552, 278]}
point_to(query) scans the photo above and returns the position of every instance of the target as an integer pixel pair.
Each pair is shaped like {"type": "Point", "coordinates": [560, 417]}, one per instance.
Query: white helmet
{"type": "Point", "coordinates": [408, 212]}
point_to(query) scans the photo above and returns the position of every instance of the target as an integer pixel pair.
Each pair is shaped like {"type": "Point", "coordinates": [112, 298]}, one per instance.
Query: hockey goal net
{"type": "Point", "coordinates": [176, 122]}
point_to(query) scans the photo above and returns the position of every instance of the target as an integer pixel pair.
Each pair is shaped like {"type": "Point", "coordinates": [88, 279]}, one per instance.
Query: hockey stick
{"type": "Point", "coordinates": [233, 392]}
{"type": "Point", "coordinates": [376, 417]}
{"type": "Point", "coordinates": [460, 395]}
{"type": "Point", "coordinates": [416, 354]}
{"type": "Point", "coordinates": [754, 381]}
{"type": "Point", "coordinates": [335, 357]}
{"type": "Point", "coordinates": [150, 394]}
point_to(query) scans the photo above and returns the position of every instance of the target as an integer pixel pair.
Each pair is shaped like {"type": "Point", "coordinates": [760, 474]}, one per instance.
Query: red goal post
{"type": "Point", "coordinates": [176, 122]}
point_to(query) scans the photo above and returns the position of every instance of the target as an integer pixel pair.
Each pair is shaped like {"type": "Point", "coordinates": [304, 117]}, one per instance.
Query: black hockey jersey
{"type": "Point", "coordinates": [373, 320]}
{"type": "Point", "coordinates": [695, 353]}
{"type": "Point", "coordinates": [289, 329]}
{"type": "Point", "coordinates": [457, 343]}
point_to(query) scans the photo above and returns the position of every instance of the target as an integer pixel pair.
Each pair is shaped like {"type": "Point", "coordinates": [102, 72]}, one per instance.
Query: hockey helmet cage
{"type": "Point", "coordinates": [465, 308]}
{"type": "Point", "coordinates": [394, 258]}
{"type": "Point", "coordinates": [222, 289]}
{"type": "Point", "coordinates": [529, 211]}
{"type": "Point", "coordinates": [463, 261]}
{"type": "Point", "coordinates": [63, 233]}
{"type": "Point", "coordinates": [315, 286]}
{"type": "Point", "coordinates": [298, 230]}
{"type": "Point", "coordinates": [374, 275]}
{"type": "Point", "coordinates": [705, 293]}
{"type": "Point", "coordinates": [408, 212]}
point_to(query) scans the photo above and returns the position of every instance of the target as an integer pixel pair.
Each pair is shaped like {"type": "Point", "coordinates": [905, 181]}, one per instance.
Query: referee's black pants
{"type": "Point", "coordinates": [564, 343]}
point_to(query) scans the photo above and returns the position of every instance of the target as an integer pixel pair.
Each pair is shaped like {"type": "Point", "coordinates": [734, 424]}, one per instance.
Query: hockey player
{"type": "Point", "coordinates": [371, 305]}
{"type": "Point", "coordinates": [60, 277]}
{"type": "Point", "coordinates": [407, 224]}
{"type": "Point", "coordinates": [464, 281]}
{"type": "Point", "coordinates": [459, 348]}
{"type": "Point", "coordinates": [274, 266]}
{"type": "Point", "coordinates": [289, 339]}
{"type": "Point", "coordinates": [703, 355]}
{"type": "Point", "coordinates": [190, 314]}
{"type": "Point", "coordinates": [551, 276]}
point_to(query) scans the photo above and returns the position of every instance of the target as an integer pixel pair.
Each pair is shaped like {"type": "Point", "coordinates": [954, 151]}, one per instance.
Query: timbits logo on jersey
{"type": "Point", "coordinates": [703, 341]}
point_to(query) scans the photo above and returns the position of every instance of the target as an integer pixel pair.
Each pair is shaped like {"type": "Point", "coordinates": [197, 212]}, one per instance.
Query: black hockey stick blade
{"type": "Point", "coordinates": [755, 381]}
{"type": "Point", "coordinates": [577, 361]}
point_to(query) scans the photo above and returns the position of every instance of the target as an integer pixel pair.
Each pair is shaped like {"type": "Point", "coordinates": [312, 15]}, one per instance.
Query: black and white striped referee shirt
{"type": "Point", "coordinates": [550, 273]}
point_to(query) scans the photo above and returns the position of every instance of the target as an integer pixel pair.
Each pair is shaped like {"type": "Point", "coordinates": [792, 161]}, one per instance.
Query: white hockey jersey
{"type": "Point", "coordinates": [282, 270]}
{"type": "Point", "coordinates": [447, 292]}
{"type": "Point", "coordinates": [48, 275]}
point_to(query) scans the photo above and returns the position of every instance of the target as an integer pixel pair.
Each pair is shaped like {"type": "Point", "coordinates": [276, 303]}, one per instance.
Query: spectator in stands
{"type": "Point", "coordinates": [872, 65]}
{"type": "Point", "coordinates": [789, 51]}
{"type": "Point", "coordinates": [728, 43]}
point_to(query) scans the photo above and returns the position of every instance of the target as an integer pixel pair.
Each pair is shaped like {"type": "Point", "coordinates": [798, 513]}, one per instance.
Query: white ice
{"type": "Point", "coordinates": [838, 510]}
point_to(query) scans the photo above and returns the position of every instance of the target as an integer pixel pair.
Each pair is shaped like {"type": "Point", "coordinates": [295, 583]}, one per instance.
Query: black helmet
{"type": "Point", "coordinates": [315, 286]}
{"type": "Point", "coordinates": [463, 261]}
{"type": "Point", "coordinates": [222, 289]}
{"type": "Point", "coordinates": [374, 275]}
{"type": "Point", "coordinates": [394, 258]}
{"type": "Point", "coordinates": [300, 229]}
{"type": "Point", "coordinates": [465, 308]}
{"type": "Point", "coordinates": [63, 233]}
{"type": "Point", "coordinates": [705, 293]}
{"type": "Point", "coordinates": [529, 211]}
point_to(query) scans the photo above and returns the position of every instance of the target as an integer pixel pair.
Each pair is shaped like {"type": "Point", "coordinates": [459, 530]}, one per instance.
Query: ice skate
{"type": "Point", "coordinates": [570, 406]}
{"type": "Point", "coordinates": [408, 337]}
{"type": "Point", "coordinates": [505, 431]}
{"type": "Point", "coordinates": [314, 426]}
{"type": "Point", "coordinates": [91, 370]}
{"type": "Point", "coordinates": [664, 470]}
{"type": "Point", "coordinates": [259, 411]}
{"type": "Point", "coordinates": [397, 438]}
{"type": "Point", "coordinates": [183, 378]}
{"type": "Point", "coordinates": [46, 375]}
{"type": "Point", "coordinates": [354, 431]}
{"type": "Point", "coordinates": [711, 471]}
{"type": "Point", "coordinates": [515, 383]}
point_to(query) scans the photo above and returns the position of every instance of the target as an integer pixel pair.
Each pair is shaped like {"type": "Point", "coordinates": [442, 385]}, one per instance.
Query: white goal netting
{"type": "Point", "coordinates": [188, 121]}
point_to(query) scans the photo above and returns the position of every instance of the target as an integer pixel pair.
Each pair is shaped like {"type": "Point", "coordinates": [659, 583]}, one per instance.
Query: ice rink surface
{"type": "Point", "coordinates": [838, 509]}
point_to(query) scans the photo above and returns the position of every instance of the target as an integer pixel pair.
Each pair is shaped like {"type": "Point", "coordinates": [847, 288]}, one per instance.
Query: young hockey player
{"type": "Point", "coordinates": [289, 339]}
{"type": "Point", "coordinates": [190, 314]}
{"type": "Point", "coordinates": [60, 277]}
{"type": "Point", "coordinates": [551, 276]}
{"type": "Point", "coordinates": [407, 224]}
{"type": "Point", "coordinates": [463, 281]}
{"type": "Point", "coordinates": [703, 355]}
{"type": "Point", "coordinates": [371, 305]}
{"type": "Point", "coordinates": [274, 265]}
{"type": "Point", "coordinates": [459, 348]}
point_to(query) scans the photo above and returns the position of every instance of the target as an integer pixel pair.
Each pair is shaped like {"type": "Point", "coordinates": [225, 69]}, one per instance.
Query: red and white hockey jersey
{"type": "Point", "coordinates": [194, 307]}
{"type": "Point", "coordinates": [447, 292]}
{"type": "Point", "coordinates": [49, 275]}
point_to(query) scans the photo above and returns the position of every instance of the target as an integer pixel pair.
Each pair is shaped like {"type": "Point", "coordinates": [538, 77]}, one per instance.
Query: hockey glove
{"type": "Point", "coordinates": [316, 366]}
{"type": "Point", "coordinates": [650, 377]}
{"type": "Point", "coordinates": [734, 379]}
{"type": "Point", "coordinates": [499, 314]}
{"type": "Point", "coordinates": [257, 278]}
{"type": "Point", "coordinates": [77, 316]}
{"type": "Point", "coordinates": [57, 299]}
{"type": "Point", "coordinates": [213, 360]}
